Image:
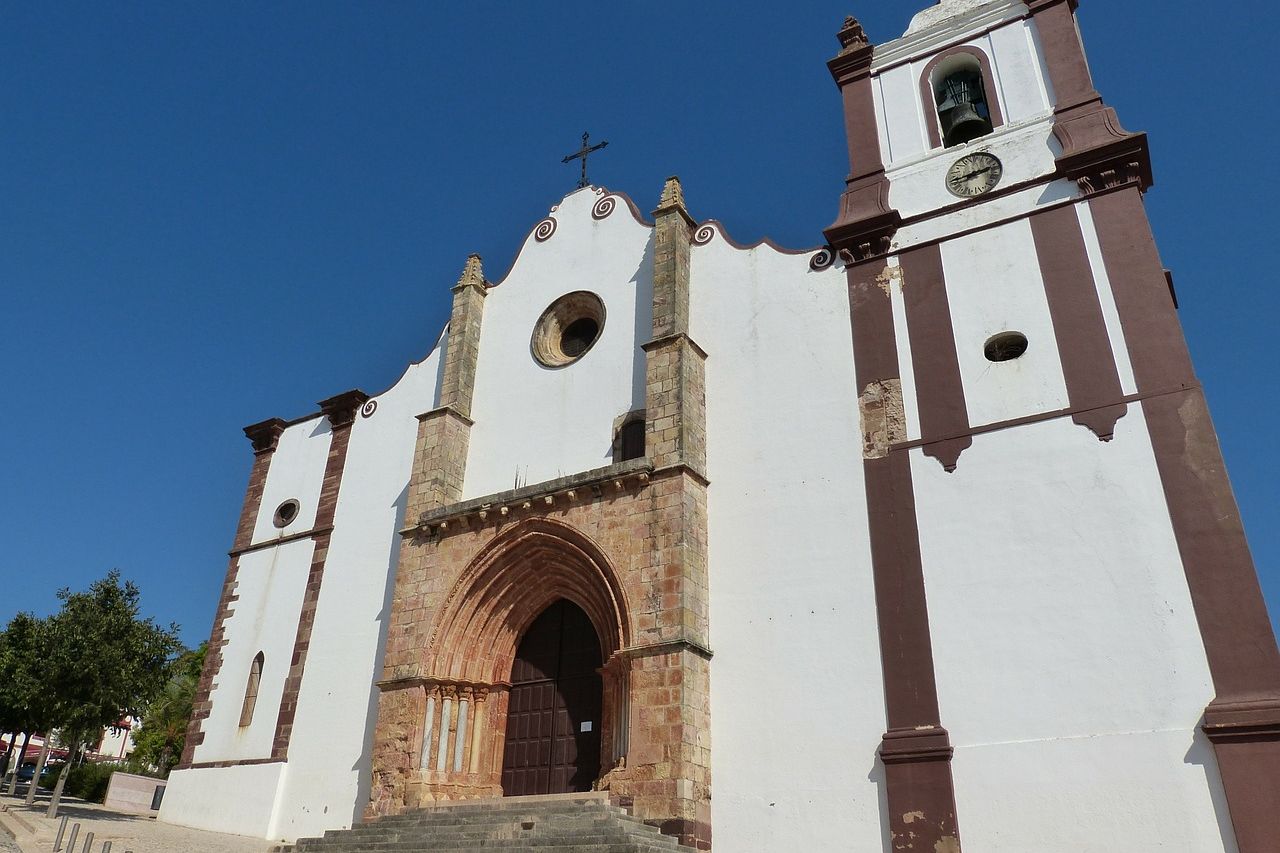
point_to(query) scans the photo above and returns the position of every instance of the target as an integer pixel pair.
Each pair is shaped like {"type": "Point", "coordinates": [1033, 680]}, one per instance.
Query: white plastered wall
{"type": "Point", "coordinates": [536, 423]}
{"type": "Point", "coordinates": [1070, 669]}
{"type": "Point", "coordinates": [264, 619]}
{"type": "Point", "coordinates": [329, 752]}
{"type": "Point", "coordinates": [326, 779]}
{"type": "Point", "coordinates": [792, 604]}
{"type": "Point", "coordinates": [297, 473]}
{"type": "Point", "coordinates": [994, 285]}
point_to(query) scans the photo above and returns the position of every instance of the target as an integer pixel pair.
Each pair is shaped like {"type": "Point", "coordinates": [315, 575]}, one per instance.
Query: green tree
{"type": "Point", "coordinates": [103, 663]}
{"type": "Point", "coordinates": [29, 700]}
{"type": "Point", "coordinates": [158, 741]}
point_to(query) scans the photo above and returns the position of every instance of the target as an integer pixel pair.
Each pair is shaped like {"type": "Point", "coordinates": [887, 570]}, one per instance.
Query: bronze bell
{"type": "Point", "coordinates": [962, 108]}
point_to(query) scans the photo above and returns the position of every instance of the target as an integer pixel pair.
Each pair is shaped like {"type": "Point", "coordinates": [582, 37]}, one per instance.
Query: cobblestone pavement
{"type": "Point", "coordinates": [125, 832]}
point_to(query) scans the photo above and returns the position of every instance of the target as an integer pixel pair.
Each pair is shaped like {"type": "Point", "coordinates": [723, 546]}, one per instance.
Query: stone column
{"type": "Point", "coordinates": [670, 745]}
{"type": "Point", "coordinates": [443, 433]}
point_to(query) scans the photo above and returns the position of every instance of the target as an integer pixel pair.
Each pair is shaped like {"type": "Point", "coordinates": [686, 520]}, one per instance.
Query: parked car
{"type": "Point", "coordinates": [27, 772]}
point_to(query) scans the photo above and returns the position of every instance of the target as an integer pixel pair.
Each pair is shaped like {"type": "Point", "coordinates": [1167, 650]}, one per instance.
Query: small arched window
{"type": "Point", "coordinates": [251, 691]}
{"type": "Point", "coordinates": [630, 444]}
{"type": "Point", "coordinates": [959, 86]}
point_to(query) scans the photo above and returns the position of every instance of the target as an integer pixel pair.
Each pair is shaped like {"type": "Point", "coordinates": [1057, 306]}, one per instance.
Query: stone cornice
{"type": "Point", "coordinates": [652, 649]}
{"type": "Point", "coordinates": [446, 411]}
{"type": "Point", "coordinates": [942, 35]}
{"type": "Point", "coordinates": [659, 343]}
{"type": "Point", "coordinates": [282, 540]}
{"type": "Point", "coordinates": [587, 486]}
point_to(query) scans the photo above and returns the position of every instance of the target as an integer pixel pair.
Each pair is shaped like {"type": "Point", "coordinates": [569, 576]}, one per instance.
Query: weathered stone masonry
{"type": "Point", "coordinates": [626, 543]}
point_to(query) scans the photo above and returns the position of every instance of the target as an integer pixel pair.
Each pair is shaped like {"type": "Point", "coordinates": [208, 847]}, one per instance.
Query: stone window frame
{"type": "Point", "coordinates": [251, 690]}
{"type": "Point", "coordinates": [626, 419]}
{"type": "Point", "coordinates": [932, 120]}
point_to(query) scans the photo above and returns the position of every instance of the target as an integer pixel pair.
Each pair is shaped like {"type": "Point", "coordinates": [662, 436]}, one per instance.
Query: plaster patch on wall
{"type": "Point", "coordinates": [884, 421]}
{"type": "Point", "coordinates": [892, 275]}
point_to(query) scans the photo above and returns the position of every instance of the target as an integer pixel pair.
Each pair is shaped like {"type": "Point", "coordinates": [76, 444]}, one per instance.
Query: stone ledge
{"type": "Point", "coordinates": [633, 473]}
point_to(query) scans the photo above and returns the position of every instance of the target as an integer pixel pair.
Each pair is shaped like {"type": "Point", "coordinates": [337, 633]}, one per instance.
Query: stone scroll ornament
{"type": "Point", "coordinates": [822, 260]}
{"type": "Point", "coordinates": [369, 407]}
{"type": "Point", "coordinates": [604, 207]}
{"type": "Point", "coordinates": [542, 233]}
{"type": "Point", "coordinates": [704, 235]}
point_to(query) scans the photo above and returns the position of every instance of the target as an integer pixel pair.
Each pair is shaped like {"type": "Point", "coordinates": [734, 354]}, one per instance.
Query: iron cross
{"type": "Point", "coordinates": [581, 154]}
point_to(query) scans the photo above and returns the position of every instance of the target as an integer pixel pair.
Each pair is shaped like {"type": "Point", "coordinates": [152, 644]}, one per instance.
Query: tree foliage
{"type": "Point", "coordinates": [159, 740]}
{"type": "Point", "coordinates": [26, 703]}
{"type": "Point", "coordinates": [102, 662]}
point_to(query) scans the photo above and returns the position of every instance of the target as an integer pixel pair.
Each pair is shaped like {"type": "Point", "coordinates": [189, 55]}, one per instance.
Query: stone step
{"type": "Point", "coordinates": [573, 823]}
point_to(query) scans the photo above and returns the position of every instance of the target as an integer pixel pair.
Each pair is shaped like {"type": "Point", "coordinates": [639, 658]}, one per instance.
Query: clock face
{"type": "Point", "coordinates": [974, 174]}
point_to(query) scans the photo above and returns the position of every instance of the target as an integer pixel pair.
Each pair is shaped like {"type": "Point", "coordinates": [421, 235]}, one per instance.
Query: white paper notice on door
{"type": "Point", "coordinates": [585, 727]}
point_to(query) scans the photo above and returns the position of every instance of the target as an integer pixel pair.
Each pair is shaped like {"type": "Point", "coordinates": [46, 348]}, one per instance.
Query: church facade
{"type": "Point", "coordinates": [917, 540]}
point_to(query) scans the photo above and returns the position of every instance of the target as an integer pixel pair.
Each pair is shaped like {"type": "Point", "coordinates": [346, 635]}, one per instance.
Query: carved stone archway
{"type": "Point", "coordinates": [447, 720]}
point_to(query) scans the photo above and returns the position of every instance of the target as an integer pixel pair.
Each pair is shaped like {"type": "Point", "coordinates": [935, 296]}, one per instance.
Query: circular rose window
{"type": "Point", "coordinates": [568, 329]}
{"type": "Point", "coordinates": [286, 513]}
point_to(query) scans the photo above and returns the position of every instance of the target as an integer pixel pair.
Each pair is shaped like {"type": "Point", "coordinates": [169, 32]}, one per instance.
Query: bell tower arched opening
{"type": "Point", "coordinates": [554, 707]}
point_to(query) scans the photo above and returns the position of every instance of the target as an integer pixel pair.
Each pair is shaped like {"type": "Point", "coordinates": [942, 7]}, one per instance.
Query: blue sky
{"type": "Point", "coordinates": [212, 214]}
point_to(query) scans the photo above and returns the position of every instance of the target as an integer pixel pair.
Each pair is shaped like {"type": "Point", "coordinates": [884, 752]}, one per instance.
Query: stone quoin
{"type": "Point", "coordinates": [928, 545]}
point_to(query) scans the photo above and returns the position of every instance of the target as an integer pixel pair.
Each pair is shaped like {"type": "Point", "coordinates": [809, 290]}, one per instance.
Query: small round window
{"type": "Point", "coordinates": [286, 513]}
{"type": "Point", "coordinates": [568, 329]}
{"type": "Point", "coordinates": [1006, 346]}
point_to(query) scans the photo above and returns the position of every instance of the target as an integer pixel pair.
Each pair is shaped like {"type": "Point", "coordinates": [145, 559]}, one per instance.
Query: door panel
{"type": "Point", "coordinates": [554, 709]}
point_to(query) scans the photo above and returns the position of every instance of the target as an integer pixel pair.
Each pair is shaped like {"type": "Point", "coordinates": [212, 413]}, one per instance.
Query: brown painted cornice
{"type": "Point", "coordinates": [265, 434]}
{"type": "Point", "coordinates": [1244, 719]}
{"type": "Point", "coordinates": [341, 409]}
{"type": "Point", "coordinates": [856, 52]}
{"type": "Point", "coordinates": [1099, 154]}
{"type": "Point", "coordinates": [867, 223]}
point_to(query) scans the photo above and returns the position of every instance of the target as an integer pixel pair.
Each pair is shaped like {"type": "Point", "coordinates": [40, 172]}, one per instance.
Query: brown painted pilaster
{"type": "Point", "coordinates": [341, 412]}
{"type": "Point", "coordinates": [1243, 721]}
{"type": "Point", "coordinates": [936, 365]}
{"type": "Point", "coordinates": [264, 436]}
{"type": "Point", "coordinates": [1084, 348]}
{"type": "Point", "coordinates": [916, 749]}
{"type": "Point", "coordinates": [1096, 150]}
{"type": "Point", "coordinates": [867, 222]}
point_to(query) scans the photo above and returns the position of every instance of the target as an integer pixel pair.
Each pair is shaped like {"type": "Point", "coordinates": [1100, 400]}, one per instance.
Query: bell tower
{"type": "Point", "coordinates": [1042, 472]}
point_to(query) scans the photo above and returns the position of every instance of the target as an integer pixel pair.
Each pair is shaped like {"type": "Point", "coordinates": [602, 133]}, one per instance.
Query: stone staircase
{"type": "Point", "coordinates": [574, 823]}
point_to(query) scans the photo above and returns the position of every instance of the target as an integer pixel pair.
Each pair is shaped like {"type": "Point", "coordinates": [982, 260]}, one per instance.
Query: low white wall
{"type": "Point", "coordinates": [128, 792]}
{"type": "Point", "coordinates": [237, 800]}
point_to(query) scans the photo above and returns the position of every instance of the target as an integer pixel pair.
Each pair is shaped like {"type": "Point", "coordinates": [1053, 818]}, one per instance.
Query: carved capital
{"type": "Point", "coordinates": [341, 409]}
{"type": "Point", "coordinates": [265, 435]}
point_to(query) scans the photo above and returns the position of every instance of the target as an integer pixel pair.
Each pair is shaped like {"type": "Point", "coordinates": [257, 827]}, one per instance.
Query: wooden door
{"type": "Point", "coordinates": [553, 712]}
